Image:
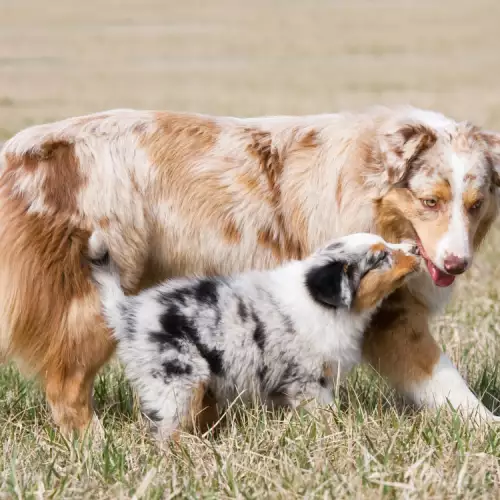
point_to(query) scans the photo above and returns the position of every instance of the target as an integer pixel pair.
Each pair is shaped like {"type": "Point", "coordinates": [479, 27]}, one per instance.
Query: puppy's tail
{"type": "Point", "coordinates": [106, 275]}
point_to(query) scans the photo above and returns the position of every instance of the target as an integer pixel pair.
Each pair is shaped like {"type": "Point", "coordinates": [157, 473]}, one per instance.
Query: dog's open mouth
{"type": "Point", "coordinates": [439, 277]}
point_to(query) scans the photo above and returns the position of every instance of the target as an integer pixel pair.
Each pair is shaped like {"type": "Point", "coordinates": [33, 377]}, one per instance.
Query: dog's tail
{"type": "Point", "coordinates": [106, 275]}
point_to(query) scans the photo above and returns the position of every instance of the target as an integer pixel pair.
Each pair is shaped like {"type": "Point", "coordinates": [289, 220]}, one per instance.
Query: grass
{"type": "Point", "coordinates": [373, 446]}
{"type": "Point", "coordinates": [248, 58]}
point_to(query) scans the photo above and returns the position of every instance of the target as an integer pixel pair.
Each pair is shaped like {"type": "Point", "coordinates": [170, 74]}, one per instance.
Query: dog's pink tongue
{"type": "Point", "coordinates": [439, 278]}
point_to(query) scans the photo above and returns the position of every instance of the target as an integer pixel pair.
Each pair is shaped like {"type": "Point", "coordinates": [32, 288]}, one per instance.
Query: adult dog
{"type": "Point", "coordinates": [180, 194]}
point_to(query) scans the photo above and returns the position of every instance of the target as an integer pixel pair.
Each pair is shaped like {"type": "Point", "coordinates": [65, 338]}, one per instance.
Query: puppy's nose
{"type": "Point", "coordinates": [455, 265]}
{"type": "Point", "coordinates": [415, 250]}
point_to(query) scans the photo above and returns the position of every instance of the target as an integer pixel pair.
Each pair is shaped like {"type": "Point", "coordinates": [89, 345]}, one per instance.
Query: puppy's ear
{"type": "Point", "coordinates": [332, 284]}
{"type": "Point", "coordinates": [399, 147]}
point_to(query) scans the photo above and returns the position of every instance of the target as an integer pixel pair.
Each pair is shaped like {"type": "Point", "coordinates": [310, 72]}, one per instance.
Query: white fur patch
{"type": "Point", "coordinates": [446, 385]}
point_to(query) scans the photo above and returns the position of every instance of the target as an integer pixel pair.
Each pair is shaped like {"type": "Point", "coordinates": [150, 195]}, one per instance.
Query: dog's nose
{"type": "Point", "coordinates": [455, 265]}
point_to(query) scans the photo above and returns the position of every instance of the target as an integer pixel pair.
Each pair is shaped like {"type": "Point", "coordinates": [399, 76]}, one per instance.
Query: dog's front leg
{"type": "Point", "coordinates": [400, 346]}
{"type": "Point", "coordinates": [446, 385]}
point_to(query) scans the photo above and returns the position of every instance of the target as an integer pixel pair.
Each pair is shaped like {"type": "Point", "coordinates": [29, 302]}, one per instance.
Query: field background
{"type": "Point", "coordinates": [60, 58]}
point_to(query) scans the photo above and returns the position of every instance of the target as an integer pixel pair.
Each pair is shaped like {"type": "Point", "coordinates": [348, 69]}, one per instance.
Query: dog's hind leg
{"type": "Point", "coordinates": [69, 375]}
{"type": "Point", "coordinates": [400, 346]}
{"type": "Point", "coordinates": [50, 312]}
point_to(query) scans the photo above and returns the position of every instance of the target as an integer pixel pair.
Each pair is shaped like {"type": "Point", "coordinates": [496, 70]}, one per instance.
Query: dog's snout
{"type": "Point", "coordinates": [455, 265]}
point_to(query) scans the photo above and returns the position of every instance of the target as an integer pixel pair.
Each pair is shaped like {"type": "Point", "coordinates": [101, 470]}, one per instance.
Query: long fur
{"type": "Point", "coordinates": [281, 336]}
{"type": "Point", "coordinates": [180, 194]}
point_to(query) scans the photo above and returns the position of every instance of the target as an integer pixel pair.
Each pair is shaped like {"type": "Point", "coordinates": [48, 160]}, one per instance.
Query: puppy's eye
{"type": "Point", "coordinates": [379, 257]}
{"type": "Point", "coordinates": [430, 202]}
{"type": "Point", "coordinates": [476, 206]}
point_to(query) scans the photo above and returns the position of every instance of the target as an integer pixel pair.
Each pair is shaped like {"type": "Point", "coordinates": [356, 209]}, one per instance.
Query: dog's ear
{"type": "Point", "coordinates": [400, 147]}
{"type": "Point", "coordinates": [332, 284]}
{"type": "Point", "coordinates": [491, 141]}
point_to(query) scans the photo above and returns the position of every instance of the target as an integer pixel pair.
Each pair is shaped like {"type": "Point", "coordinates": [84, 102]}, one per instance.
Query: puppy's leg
{"type": "Point", "coordinates": [180, 405]}
{"type": "Point", "coordinates": [310, 391]}
{"type": "Point", "coordinates": [399, 345]}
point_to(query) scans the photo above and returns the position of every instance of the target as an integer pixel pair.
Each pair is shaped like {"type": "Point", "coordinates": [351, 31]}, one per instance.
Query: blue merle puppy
{"type": "Point", "coordinates": [283, 336]}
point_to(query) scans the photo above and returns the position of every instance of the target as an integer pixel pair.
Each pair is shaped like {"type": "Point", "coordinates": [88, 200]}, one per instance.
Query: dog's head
{"type": "Point", "coordinates": [359, 271]}
{"type": "Point", "coordinates": [438, 187]}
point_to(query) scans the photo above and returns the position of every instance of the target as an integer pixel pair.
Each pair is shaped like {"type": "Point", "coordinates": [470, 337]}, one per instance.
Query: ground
{"type": "Point", "coordinates": [61, 58]}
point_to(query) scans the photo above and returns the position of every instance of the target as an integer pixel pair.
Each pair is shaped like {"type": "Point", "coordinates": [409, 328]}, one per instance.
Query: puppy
{"type": "Point", "coordinates": [282, 336]}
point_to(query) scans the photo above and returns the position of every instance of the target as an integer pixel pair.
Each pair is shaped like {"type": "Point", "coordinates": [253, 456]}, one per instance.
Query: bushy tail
{"type": "Point", "coordinates": [106, 275]}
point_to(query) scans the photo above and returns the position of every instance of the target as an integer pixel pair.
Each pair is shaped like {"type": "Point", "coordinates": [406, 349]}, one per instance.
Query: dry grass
{"type": "Point", "coordinates": [237, 57]}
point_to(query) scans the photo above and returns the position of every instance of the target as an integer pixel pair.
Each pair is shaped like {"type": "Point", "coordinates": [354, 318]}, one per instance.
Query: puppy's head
{"type": "Point", "coordinates": [359, 271]}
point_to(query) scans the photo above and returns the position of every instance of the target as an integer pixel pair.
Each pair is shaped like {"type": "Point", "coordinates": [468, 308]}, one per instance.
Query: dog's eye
{"type": "Point", "coordinates": [430, 202]}
{"type": "Point", "coordinates": [476, 206]}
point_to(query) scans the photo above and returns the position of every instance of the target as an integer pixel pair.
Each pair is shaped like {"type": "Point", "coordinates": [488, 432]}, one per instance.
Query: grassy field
{"type": "Point", "coordinates": [247, 58]}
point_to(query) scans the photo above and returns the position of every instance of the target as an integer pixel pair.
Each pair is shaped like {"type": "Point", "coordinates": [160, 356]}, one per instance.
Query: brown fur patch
{"type": "Point", "coordinates": [231, 232]}
{"type": "Point", "coordinates": [203, 413]}
{"type": "Point", "coordinates": [251, 183]}
{"type": "Point", "coordinates": [328, 372]}
{"type": "Point", "coordinates": [398, 343]}
{"type": "Point", "coordinates": [282, 246]}
{"type": "Point", "coordinates": [472, 196]}
{"type": "Point", "coordinates": [261, 147]}
{"type": "Point", "coordinates": [442, 191]}
{"type": "Point", "coordinates": [391, 214]}
{"type": "Point", "coordinates": [178, 140]}
{"type": "Point", "coordinates": [377, 285]}
{"type": "Point", "coordinates": [378, 247]}
{"type": "Point", "coordinates": [338, 191]}
{"type": "Point", "coordinates": [405, 146]}
{"type": "Point", "coordinates": [104, 222]}
{"type": "Point", "coordinates": [309, 140]}
{"type": "Point", "coordinates": [62, 178]}
{"type": "Point", "coordinates": [425, 135]}
{"type": "Point", "coordinates": [278, 238]}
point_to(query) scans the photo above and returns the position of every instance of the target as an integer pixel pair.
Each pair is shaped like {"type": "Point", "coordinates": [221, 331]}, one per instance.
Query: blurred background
{"type": "Point", "coordinates": [64, 57]}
